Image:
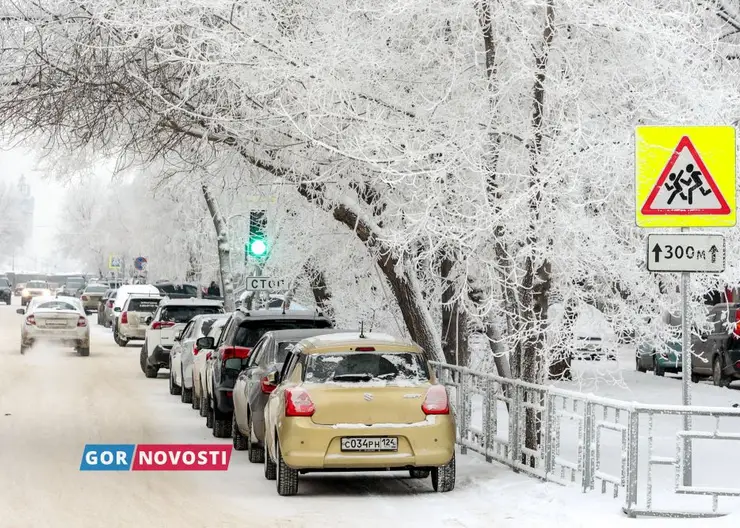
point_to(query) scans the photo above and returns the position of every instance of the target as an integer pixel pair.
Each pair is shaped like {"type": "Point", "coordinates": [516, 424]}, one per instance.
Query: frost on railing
{"type": "Point", "coordinates": [582, 439]}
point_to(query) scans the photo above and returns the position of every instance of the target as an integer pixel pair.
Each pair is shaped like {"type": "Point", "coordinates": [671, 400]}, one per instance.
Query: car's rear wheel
{"type": "Point", "coordinates": [718, 378]}
{"type": "Point", "coordinates": [174, 389]}
{"type": "Point", "coordinates": [638, 366]}
{"type": "Point", "coordinates": [419, 473]}
{"type": "Point", "coordinates": [443, 477]}
{"type": "Point", "coordinates": [255, 452]}
{"type": "Point", "coordinates": [287, 477]}
{"type": "Point", "coordinates": [151, 372]}
{"type": "Point", "coordinates": [221, 424]}
{"type": "Point", "coordinates": [694, 378]}
{"type": "Point", "coordinates": [239, 440]}
{"type": "Point", "coordinates": [209, 413]}
{"type": "Point", "coordinates": [270, 466]}
{"type": "Point", "coordinates": [202, 405]}
{"type": "Point", "coordinates": [186, 395]}
{"type": "Point", "coordinates": [657, 369]}
{"type": "Point", "coordinates": [83, 351]}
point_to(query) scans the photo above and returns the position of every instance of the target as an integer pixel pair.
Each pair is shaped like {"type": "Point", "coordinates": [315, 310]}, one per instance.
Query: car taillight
{"type": "Point", "coordinates": [235, 352]}
{"type": "Point", "coordinates": [162, 324]}
{"type": "Point", "coordinates": [81, 322]}
{"type": "Point", "coordinates": [124, 318]}
{"type": "Point", "coordinates": [737, 365]}
{"type": "Point", "coordinates": [31, 320]}
{"type": "Point", "coordinates": [365, 349]}
{"type": "Point", "coordinates": [229, 394]}
{"type": "Point", "coordinates": [298, 402]}
{"type": "Point", "coordinates": [209, 355]}
{"type": "Point", "coordinates": [266, 386]}
{"type": "Point", "coordinates": [436, 401]}
{"type": "Point", "coordinates": [736, 332]}
{"type": "Point", "coordinates": [195, 350]}
{"type": "Point", "coordinates": [84, 298]}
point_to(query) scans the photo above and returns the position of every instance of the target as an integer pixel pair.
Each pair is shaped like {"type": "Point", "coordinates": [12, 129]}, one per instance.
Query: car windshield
{"type": "Point", "coordinates": [37, 284]}
{"type": "Point", "coordinates": [183, 314]}
{"type": "Point", "coordinates": [56, 305]}
{"type": "Point", "coordinates": [96, 289]}
{"type": "Point", "coordinates": [342, 367]}
{"type": "Point", "coordinates": [143, 305]}
{"type": "Point", "coordinates": [4, 283]}
{"type": "Point", "coordinates": [75, 283]}
{"type": "Point", "coordinates": [252, 331]}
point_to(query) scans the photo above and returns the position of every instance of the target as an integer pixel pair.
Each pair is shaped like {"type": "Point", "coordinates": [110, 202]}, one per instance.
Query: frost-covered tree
{"type": "Point", "coordinates": [480, 152]}
{"type": "Point", "coordinates": [12, 221]}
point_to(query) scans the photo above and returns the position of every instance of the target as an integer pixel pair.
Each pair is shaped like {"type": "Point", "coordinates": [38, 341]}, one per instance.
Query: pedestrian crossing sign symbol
{"type": "Point", "coordinates": [685, 176]}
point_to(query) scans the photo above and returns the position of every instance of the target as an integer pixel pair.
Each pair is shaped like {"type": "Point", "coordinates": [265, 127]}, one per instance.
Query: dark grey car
{"type": "Point", "coordinates": [251, 389]}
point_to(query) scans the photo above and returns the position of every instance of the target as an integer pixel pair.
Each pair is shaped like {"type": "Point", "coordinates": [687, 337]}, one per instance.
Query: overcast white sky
{"type": "Point", "coordinates": [42, 253]}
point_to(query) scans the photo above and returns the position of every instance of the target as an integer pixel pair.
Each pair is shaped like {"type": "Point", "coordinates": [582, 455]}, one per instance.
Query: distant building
{"type": "Point", "coordinates": [27, 207]}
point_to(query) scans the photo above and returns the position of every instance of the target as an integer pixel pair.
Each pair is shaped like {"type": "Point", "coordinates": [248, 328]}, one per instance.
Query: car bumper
{"type": "Point", "coordinates": [160, 357]}
{"type": "Point", "coordinates": [306, 445]}
{"type": "Point", "coordinates": [71, 336]}
{"type": "Point", "coordinates": [132, 333]}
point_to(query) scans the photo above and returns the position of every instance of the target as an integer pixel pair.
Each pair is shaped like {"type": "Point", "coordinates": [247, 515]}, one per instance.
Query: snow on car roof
{"type": "Point", "coordinates": [353, 339]}
{"type": "Point", "coordinates": [303, 333]}
{"type": "Point", "coordinates": [191, 302]}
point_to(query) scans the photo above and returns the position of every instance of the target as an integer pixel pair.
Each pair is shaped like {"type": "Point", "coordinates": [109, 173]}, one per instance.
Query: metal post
{"type": "Point", "coordinates": [686, 369]}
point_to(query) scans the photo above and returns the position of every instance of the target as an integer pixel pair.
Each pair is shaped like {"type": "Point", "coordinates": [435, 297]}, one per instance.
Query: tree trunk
{"type": "Point", "coordinates": [454, 319]}
{"type": "Point", "coordinates": [224, 257]}
{"type": "Point", "coordinates": [416, 316]}
{"type": "Point", "coordinates": [319, 289]}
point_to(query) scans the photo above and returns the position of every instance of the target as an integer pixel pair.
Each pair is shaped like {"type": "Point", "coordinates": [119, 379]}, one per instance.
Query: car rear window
{"type": "Point", "coordinates": [183, 314]}
{"type": "Point", "coordinates": [37, 284]}
{"type": "Point", "coordinates": [343, 367]}
{"type": "Point", "coordinates": [143, 305]}
{"type": "Point", "coordinates": [250, 332]}
{"type": "Point", "coordinates": [178, 289]}
{"type": "Point", "coordinates": [206, 325]}
{"type": "Point", "coordinates": [56, 305]}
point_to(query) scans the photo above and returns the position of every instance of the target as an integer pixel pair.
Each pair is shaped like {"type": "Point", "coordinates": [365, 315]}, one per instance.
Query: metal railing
{"type": "Point", "coordinates": [597, 443]}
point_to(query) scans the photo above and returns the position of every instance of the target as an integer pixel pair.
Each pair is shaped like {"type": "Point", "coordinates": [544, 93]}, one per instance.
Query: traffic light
{"type": "Point", "coordinates": [257, 245]}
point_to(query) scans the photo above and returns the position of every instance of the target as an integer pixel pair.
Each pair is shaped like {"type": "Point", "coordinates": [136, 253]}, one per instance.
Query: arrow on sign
{"type": "Point", "coordinates": [713, 250]}
{"type": "Point", "coordinates": [657, 252]}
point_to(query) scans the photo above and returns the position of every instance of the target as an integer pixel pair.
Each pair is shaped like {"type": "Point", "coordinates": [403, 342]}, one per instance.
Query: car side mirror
{"type": "Point", "coordinates": [21, 311]}
{"type": "Point", "coordinates": [205, 343]}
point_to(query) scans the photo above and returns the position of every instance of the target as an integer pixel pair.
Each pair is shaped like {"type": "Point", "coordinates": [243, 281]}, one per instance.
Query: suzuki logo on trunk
{"type": "Point", "coordinates": [368, 396]}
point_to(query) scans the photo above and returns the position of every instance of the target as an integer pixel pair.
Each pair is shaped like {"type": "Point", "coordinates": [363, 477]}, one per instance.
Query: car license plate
{"type": "Point", "coordinates": [56, 324]}
{"type": "Point", "coordinates": [369, 443]}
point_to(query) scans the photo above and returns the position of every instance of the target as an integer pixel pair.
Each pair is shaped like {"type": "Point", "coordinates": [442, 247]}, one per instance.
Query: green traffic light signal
{"type": "Point", "coordinates": [258, 248]}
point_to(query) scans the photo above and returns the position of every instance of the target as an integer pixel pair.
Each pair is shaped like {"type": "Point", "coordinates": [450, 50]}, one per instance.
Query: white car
{"type": "Point", "coordinates": [169, 320]}
{"type": "Point", "coordinates": [57, 319]}
{"type": "Point", "coordinates": [134, 318]}
{"type": "Point", "coordinates": [122, 295]}
{"type": "Point", "coordinates": [199, 365]}
{"type": "Point", "coordinates": [593, 335]}
{"type": "Point", "coordinates": [184, 352]}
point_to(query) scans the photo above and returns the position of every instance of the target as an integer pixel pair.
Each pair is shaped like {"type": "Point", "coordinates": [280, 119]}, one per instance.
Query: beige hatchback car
{"type": "Point", "coordinates": [349, 402]}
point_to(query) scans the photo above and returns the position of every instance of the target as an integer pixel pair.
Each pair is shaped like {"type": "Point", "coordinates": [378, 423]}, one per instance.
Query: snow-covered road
{"type": "Point", "coordinates": [53, 402]}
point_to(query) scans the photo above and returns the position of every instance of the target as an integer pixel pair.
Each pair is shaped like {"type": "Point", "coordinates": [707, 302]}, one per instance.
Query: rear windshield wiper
{"type": "Point", "coordinates": [352, 377]}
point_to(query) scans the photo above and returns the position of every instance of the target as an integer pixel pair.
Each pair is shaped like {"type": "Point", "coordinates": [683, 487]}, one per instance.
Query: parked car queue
{"type": "Point", "coordinates": [295, 393]}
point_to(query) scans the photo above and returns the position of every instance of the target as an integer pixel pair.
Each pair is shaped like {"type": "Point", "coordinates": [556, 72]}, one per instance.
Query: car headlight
{"type": "Point", "coordinates": [25, 293]}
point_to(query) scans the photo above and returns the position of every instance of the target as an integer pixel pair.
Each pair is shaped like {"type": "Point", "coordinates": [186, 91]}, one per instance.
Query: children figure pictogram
{"type": "Point", "coordinates": [680, 187]}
